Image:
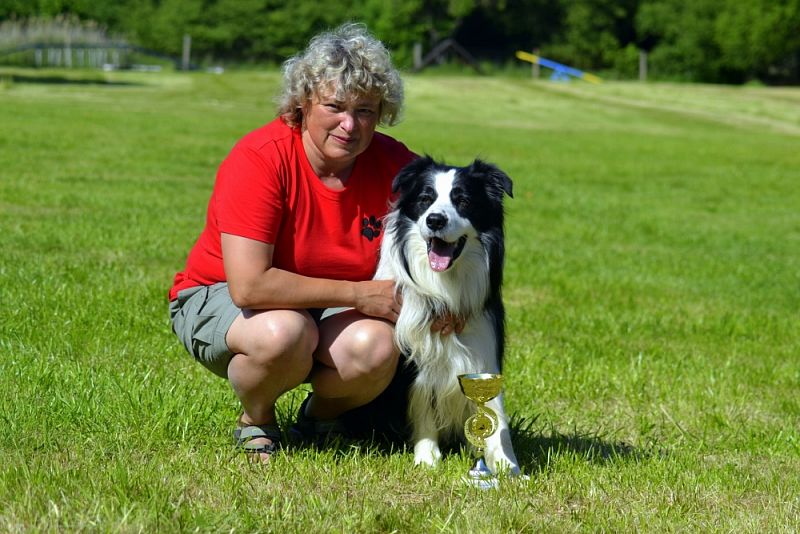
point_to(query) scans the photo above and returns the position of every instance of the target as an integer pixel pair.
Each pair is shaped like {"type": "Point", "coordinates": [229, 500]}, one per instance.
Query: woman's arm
{"type": "Point", "coordinates": [255, 284]}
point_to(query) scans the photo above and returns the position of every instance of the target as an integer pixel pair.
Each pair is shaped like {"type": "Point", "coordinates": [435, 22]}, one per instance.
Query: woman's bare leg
{"type": "Point", "coordinates": [354, 362]}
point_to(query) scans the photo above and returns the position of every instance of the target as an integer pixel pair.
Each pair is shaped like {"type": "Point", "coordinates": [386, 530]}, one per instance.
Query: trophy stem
{"type": "Point", "coordinates": [480, 476]}
{"type": "Point", "coordinates": [480, 388]}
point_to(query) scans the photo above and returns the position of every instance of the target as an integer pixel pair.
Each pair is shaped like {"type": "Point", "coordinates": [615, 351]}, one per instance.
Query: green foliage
{"type": "Point", "coordinates": [701, 40]}
{"type": "Point", "coordinates": [757, 35]}
{"type": "Point", "coordinates": [595, 30]}
{"type": "Point", "coordinates": [722, 40]}
{"type": "Point", "coordinates": [497, 31]}
{"type": "Point", "coordinates": [684, 33]}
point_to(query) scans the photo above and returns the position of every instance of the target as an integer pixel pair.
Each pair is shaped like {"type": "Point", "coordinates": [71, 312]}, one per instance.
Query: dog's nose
{"type": "Point", "coordinates": [436, 221]}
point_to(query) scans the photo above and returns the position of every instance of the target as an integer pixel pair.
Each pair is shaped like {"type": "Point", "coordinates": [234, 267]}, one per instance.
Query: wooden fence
{"type": "Point", "coordinates": [100, 56]}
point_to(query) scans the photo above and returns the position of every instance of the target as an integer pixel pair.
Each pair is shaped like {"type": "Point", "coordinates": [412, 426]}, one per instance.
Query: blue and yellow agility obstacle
{"type": "Point", "coordinates": [560, 72]}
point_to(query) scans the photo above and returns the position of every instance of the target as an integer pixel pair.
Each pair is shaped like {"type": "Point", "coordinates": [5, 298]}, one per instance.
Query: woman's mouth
{"type": "Point", "coordinates": [343, 140]}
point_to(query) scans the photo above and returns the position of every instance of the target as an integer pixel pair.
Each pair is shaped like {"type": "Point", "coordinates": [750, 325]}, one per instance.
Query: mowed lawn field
{"type": "Point", "coordinates": [652, 289]}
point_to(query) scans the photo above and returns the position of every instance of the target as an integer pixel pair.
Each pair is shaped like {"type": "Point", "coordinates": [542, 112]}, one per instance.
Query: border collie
{"type": "Point", "coordinates": [443, 245]}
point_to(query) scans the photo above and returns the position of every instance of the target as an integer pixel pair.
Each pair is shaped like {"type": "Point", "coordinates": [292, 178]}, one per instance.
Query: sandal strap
{"type": "Point", "coordinates": [243, 435]}
{"type": "Point", "coordinates": [266, 448]}
{"type": "Point", "coordinates": [248, 432]}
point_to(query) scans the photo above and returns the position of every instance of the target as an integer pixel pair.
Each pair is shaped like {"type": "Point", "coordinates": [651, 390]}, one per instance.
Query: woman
{"type": "Point", "coordinates": [277, 289]}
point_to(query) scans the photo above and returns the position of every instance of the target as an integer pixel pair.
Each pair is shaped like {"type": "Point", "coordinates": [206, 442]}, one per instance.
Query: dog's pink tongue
{"type": "Point", "coordinates": [440, 254]}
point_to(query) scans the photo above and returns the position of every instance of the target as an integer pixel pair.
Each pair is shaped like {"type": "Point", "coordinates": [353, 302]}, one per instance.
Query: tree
{"type": "Point", "coordinates": [595, 30]}
{"type": "Point", "coordinates": [759, 38]}
{"type": "Point", "coordinates": [682, 34]}
{"type": "Point", "coordinates": [701, 40]}
{"type": "Point", "coordinates": [496, 31]}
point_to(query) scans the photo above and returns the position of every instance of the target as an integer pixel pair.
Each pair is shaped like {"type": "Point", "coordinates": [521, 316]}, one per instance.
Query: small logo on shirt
{"type": "Point", "coordinates": [371, 227]}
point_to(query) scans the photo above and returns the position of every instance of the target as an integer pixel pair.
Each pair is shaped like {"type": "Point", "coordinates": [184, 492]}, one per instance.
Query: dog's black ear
{"type": "Point", "coordinates": [409, 174]}
{"type": "Point", "coordinates": [494, 175]}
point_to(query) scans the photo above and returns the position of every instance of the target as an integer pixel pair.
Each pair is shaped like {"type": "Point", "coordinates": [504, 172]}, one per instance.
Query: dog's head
{"type": "Point", "coordinates": [451, 205]}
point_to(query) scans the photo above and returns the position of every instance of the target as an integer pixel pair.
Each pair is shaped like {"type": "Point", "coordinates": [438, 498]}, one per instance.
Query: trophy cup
{"type": "Point", "coordinates": [480, 388]}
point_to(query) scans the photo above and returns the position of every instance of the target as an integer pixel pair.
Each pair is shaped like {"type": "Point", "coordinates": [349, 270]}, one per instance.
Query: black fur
{"type": "Point", "coordinates": [478, 196]}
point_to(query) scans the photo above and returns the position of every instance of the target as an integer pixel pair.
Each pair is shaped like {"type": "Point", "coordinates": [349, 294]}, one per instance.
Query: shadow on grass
{"type": "Point", "coordinates": [381, 427]}
{"type": "Point", "coordinates": [378, 428]}
{"type": "Point", "coordinates": [536, 449]}
{"type": "Point", "coordinates": [62, 80]}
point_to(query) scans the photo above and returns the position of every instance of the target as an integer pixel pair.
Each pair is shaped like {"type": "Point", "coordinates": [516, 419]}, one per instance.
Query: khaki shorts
{"type": "Point", "coordinates": [201, 317]}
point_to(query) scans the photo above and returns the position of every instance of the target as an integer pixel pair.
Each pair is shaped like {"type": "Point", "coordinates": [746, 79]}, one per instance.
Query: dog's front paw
{"type": "Point", "coordinates": [501, 464]}
{"type": "Point", "coordinates": [427, 452]}
{"type": "Point", "coordinates": [503, 467]}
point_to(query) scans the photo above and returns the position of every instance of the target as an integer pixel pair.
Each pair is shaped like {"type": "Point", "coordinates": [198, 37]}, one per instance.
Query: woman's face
{"type": "Point", "coordinates": [336, 131]}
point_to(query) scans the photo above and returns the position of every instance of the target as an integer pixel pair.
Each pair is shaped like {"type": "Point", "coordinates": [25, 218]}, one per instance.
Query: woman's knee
{"type": "Point", "coordinates": [275, 335]}
{"type": "Point", "coordinates": [370, 350]}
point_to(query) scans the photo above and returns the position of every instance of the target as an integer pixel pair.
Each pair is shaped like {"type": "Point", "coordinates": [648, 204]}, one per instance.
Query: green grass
{"type": "Point", "coordinates": [652, 287]}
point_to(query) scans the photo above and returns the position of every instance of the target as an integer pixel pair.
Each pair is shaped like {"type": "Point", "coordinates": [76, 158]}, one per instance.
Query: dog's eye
{"type": "Point", "coordinates": [462, 203]}
{"type": "Point", "coordinates": [425, 198]}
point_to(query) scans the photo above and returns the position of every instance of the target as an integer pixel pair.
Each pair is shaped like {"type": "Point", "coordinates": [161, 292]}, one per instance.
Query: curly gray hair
{"type": "Point", "coordinates": [348, 58]}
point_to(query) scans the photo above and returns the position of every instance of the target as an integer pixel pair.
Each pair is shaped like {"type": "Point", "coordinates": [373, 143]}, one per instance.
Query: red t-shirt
{"type": "Point", "coordinates": [266, 190]}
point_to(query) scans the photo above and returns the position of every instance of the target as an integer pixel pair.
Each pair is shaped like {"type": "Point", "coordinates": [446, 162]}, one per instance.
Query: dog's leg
{"type": "Point", "coordinates": [499, 452]}
{"type": "Point", "coordinates": [425, 435]}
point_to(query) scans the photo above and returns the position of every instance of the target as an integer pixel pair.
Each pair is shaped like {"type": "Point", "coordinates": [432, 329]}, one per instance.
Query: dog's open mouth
{"type": "Point", "coordinates": [442, 254]}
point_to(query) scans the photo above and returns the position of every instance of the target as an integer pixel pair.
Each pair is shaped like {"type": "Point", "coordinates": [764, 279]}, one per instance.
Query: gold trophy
{"type": "Point", "coordinates": [480, 388]}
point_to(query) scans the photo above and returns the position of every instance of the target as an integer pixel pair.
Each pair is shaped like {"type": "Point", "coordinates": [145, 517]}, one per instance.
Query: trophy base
{"type": "Point", "coordinates": [480, 476]}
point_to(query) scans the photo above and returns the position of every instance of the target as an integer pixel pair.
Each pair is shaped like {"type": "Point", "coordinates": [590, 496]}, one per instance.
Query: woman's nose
{"type": "Point", "coordinates": [347, 121]}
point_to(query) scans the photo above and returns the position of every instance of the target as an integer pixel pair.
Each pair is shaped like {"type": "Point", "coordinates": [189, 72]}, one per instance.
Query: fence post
{"type": "Point", "coordinates": [417, 55]}
{"type": "Point", "coordinates": [642, 65]}
{"type": "Point", "coordinates": [68, 51]}
{"type": "Point", "coordinates": [187, 51]}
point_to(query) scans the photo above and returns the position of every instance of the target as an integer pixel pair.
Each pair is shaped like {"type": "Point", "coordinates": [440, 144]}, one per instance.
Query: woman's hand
{"type": "Point", "coordinates": [378, 298]}
{"type": "Point", "coordinates": [448, 324]}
